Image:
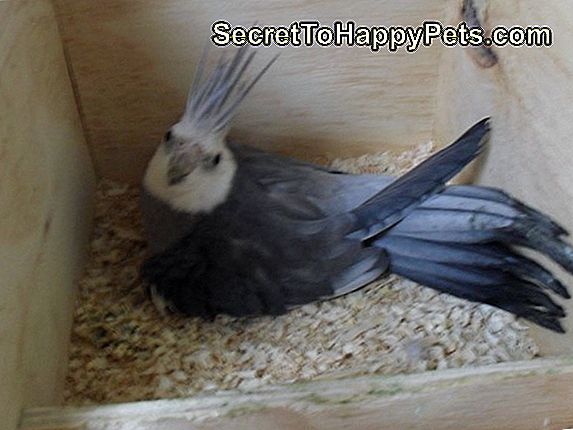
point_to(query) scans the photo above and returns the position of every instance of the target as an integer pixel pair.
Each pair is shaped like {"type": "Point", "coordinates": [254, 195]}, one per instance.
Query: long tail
{"type": "Point", "coordinates": [463, 242]}
{"type": "Point", "coordinates": [407, 192]}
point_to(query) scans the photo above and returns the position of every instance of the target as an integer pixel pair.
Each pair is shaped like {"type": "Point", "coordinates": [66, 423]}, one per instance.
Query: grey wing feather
{"type": "Point", "coordinates": [332, 192]}
{"type": "Point", "coordinates": [407, 192]}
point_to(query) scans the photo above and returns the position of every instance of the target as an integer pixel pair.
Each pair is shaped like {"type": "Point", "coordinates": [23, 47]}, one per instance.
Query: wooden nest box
{"type": "Point", "coordinates": [88, 87]}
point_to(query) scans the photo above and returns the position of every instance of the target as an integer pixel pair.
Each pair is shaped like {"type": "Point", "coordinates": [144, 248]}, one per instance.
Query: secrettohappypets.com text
{"type": "Point", "coordinates": [393, 38]}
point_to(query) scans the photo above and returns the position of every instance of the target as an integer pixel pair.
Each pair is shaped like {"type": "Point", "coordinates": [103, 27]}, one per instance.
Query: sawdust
{"type": "Point", "coordinates": [123, 350]}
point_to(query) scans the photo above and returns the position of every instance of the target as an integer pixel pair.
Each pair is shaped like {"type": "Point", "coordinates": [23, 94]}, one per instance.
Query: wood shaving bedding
{"type": "Point", "coordinates": [123, 350]}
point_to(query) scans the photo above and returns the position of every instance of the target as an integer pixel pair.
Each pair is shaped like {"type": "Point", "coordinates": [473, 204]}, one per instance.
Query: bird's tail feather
{"type": "Point", "coordinates": [462, 242]}
{"type": "Point", "coordinates": [398, 199]}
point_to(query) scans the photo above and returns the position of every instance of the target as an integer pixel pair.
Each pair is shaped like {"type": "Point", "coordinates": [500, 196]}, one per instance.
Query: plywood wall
{"type": "Point", "coordinates": [529, 95]}
{"type": "Point", "coordinates": [45, 195]}
{"type": "Point", "coordinates": [133, 61]}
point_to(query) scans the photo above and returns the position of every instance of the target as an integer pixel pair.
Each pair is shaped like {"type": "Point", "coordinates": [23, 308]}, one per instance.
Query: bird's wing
{"type": "Point", "coordinates": [307, 185]}
{"type": "Point", "coordinates": [378, 202]}
{"type": "Point", "coordinates": [311, 213]}
{"type": "Point", "coordinates": [406, 193]}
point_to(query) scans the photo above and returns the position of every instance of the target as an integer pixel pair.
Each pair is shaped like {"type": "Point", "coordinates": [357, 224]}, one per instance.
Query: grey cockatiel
{"type": "Point", "coordinates": [236, 230]}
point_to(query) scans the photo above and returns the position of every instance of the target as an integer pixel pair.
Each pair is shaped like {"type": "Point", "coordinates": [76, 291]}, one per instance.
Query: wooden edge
{"type": "Point", "coordinates": [47, 192]}
{"type": "Point", "coordinates": [385, 401]}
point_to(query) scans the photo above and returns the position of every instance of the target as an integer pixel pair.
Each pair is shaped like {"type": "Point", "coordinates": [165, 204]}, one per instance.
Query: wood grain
{"type": "Point", "coordinates": [133, 61]}
{"type": "Point", "coordinates": [522, 396]}
{"type": "Point", "coordinates": [45, 196]}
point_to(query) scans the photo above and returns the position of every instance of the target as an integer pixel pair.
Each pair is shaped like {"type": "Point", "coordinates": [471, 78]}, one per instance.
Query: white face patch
{"type": "Point", "coordinates": [202, 190]}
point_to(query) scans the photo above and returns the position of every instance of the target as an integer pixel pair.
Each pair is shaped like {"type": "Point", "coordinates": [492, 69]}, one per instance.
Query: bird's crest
{"type": "Point", "coordinates": [213, 100]}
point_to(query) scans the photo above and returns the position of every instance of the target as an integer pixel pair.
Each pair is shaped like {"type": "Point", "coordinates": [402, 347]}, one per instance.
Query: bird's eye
{"type": "Point", "coordinates": [211, 161]}
{"type": "Point", "coordinates": [167, 136]}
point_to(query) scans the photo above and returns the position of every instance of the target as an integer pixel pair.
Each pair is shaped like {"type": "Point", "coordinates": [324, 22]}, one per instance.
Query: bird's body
{"type": "Point", "coordinates": [243, 232]}
{"type": "Point", "coordinates": [254, 254]}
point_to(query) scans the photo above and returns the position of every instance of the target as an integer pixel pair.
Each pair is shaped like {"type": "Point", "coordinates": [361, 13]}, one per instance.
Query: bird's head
{"type": "Point", "coordinates": [192, 169]}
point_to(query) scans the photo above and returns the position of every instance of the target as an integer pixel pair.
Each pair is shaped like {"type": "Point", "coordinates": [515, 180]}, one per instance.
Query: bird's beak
{"type": "Point", "coordinates": [182, 163]}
